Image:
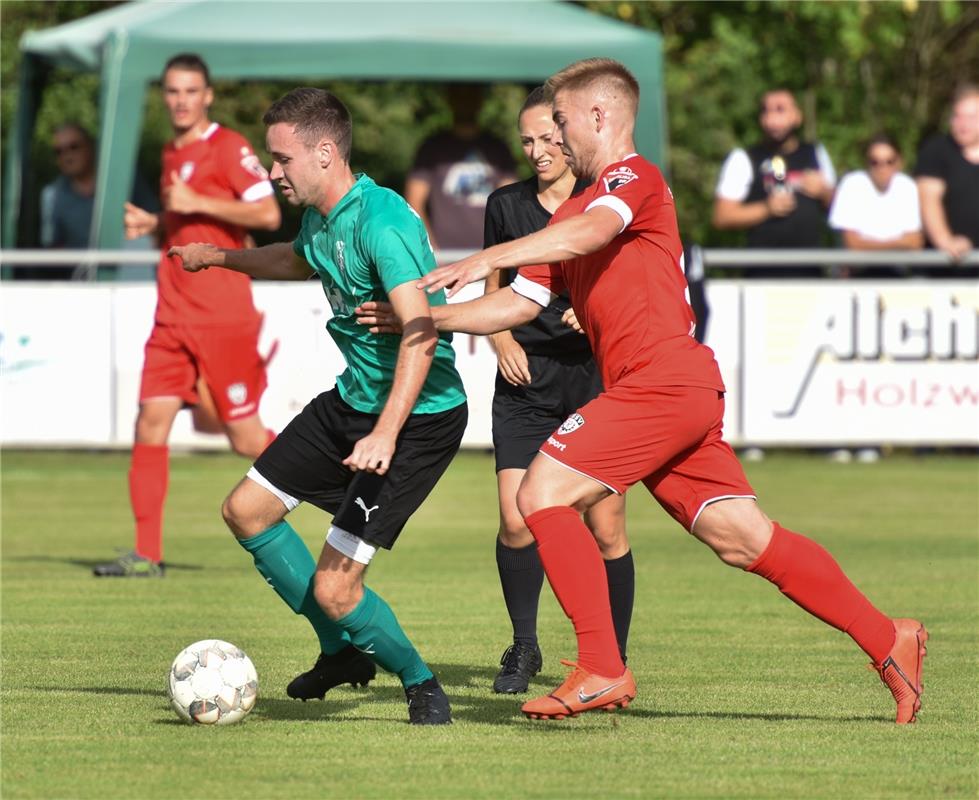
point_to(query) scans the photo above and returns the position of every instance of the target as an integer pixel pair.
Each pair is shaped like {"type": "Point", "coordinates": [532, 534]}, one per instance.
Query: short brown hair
{"type": "Point", "coordinates": [612, 76]}
{"type": "Point", "coordinates": [315, 113]}
{"type": "Point", "coordinates": [964, 90]}
{"type": "Point", "coordinates": [188, 62]}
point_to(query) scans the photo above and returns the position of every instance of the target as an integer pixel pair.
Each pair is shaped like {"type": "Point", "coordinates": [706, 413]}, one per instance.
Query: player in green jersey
{"type": "Point", "coordinates": [370, 450]}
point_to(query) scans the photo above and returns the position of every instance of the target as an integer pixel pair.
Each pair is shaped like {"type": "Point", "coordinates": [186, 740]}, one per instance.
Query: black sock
{"type": "Point", "coordinates": [621, 575]}
{"type": "Point", "coordinates": [521, 576]}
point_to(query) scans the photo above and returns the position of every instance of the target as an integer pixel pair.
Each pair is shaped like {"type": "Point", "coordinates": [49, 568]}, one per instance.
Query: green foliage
{"type": "Point", "coordinates": [856, 67]}
{"type": "Point", "coordinates": [741, 695]}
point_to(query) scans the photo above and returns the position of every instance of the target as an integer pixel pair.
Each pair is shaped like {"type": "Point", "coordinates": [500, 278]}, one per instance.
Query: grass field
{"type": "Point", "coordinates": [740, 693]}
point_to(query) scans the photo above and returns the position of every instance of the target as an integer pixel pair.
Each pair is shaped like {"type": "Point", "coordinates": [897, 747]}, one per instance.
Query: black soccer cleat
{"type": "Point", "coordinates": [427, 703]}
{"type": "Point", "coordinates": [520, 662]}
{"type": "Point", "coordinates": [130, 565]}
{"type": "Point", "coordinates": [348, 666]}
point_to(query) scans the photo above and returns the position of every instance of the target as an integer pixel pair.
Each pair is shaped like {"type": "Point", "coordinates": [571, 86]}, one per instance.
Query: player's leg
{"type": "Point", "coordinates": [234, 377]}
{"type": "Point", "coordinates": [167, 384]}
{"type": "Point", "coordinates": [606, 521]}
{"type": "Point", "coordinates": [205, 414]}
{"type": "Point", "coordinates": [521, 579]}
{"type": "Point", "coordinates": [374, 511]}
{"type": "Point", "coordinates": [624, 434]}
{"type": "Point", "coordinates": [707, 492]}
{"type": "Point", "coordinates": [255, 512]}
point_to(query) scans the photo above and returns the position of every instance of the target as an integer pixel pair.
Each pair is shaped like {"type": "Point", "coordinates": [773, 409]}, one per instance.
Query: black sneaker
{"type": "Point", "coordinates": [130, 565]}
{"type": "Point", "coordinates": [519, 664]}
{"type": "Point", "coordinates": [348, 666]}
{"type": "Point", "coordinates": [427, 703]}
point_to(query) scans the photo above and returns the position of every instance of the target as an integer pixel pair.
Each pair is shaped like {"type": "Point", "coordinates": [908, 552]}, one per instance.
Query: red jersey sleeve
{"type": "Point", "coordinates": [241, 167]}
{"type": "Point", "coordinates": [627, 186]}
{"type": "Point", "coordinates": [540, 283]}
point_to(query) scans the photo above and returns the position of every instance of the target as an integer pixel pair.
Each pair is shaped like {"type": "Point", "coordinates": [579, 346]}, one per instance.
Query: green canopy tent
{"type": "Point", "coordinates": [291, 39]}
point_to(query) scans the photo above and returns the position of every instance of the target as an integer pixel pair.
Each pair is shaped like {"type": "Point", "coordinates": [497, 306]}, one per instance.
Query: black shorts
{"type": "Point", "coordinates": [305, 461]}
{"type": "Point", "coordinates": [524, 416]}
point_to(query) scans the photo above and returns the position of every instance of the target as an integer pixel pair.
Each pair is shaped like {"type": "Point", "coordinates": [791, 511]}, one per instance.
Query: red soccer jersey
{"type": "Point", "coordinates": [631, 296]}
{"type": "Point", "coordinates": [220, 164]}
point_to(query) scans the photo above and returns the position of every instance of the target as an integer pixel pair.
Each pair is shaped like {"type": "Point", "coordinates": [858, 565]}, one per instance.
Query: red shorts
{"type": "Point", "coordinates": [667, 437]}
{"type": "Point", "coordinates": [225, 357]}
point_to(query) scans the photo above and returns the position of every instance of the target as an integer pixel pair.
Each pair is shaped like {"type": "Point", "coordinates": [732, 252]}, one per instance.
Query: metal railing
{"type": "Point", "coordinates": [88, 262]}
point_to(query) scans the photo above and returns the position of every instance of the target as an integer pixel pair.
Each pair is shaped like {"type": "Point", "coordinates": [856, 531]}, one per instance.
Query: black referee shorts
{"type": "Point", "coordinates": [305, 461]}
{"type": "Point", "coordinates": [524, 416]}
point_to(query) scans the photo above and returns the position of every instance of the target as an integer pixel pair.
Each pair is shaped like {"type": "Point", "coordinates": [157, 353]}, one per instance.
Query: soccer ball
{"type": "Point", "coordinates": [213, 683]}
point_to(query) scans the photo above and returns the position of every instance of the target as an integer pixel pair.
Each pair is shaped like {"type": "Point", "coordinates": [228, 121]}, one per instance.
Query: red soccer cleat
{"type": "Point", "coordinates": [582, 691]}
{"type": "Point", "coordinates": [901, 670]}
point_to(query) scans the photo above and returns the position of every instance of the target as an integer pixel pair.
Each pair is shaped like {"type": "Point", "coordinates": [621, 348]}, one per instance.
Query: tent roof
{"type": "Point", "coordinates": [355, 35]}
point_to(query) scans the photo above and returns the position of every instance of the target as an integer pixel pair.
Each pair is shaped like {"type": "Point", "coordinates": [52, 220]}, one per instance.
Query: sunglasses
{"type": "Point", "coordinates": [882, 162]}
{"type": "Point", "coordinates": [71, 147]}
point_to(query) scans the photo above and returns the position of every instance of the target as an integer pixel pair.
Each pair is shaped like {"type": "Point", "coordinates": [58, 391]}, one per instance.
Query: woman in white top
{"type": "Point", "coordinates": [877, 208]}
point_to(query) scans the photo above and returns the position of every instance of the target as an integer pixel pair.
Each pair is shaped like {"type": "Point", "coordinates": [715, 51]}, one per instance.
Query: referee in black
{"type": "Point", "coordinates": [546, 372]}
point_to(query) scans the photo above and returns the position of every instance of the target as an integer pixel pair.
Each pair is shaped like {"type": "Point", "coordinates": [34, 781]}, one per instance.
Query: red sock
{"type": "Point", "coordinates": [809, 576]}
{"type": "Point", "coordinates": [148, 477]}
{"type": "Point", "coordinates": [576, 572]}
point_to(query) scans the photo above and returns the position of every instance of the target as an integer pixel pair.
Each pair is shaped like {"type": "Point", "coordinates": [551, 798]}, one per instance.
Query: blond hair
{"type": "Point", "coordinates": [607, 75]}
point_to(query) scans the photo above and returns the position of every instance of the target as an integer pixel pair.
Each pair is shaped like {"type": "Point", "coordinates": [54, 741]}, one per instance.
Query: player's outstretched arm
{"type": "Point", "coordinates": [490, 313]}
{"type": "Point", "coordinates": [576, 236]}
{"type": "Point", "coordinates": [277, 262]}
{"type": "Point", "coordinates": [418, 341]}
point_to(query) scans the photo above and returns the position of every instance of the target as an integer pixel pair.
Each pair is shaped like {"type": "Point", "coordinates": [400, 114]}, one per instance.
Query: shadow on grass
{"type": "Point", "coordinates": [88, 564]}
{"type": "Point", "coordinates": [339, 704]}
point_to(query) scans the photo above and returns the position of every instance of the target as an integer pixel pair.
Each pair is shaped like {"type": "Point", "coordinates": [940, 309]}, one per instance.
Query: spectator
{"type": "Point", "coordinates": [777, 190]}
{"type": "Point", "coordinates": [454, 172]}
{"type": "Point", "coordinates": [877, 208]}
{"type": "Point", "coordinates": [66, 202]}
{"type": "Point", "coordinates": [948, 179]}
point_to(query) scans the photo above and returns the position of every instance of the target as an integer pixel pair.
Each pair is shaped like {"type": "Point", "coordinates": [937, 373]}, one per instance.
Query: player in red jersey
{"type": "Point", "coordinates": [203, 350]}
{"type": "Point", "coordinates": [616, 247]}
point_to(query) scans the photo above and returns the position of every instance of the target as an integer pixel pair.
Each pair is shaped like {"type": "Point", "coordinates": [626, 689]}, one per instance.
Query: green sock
{"type": "Point", "coordinates": [285, 562]}
{"type": "Point", "coordinates": [374, 630]}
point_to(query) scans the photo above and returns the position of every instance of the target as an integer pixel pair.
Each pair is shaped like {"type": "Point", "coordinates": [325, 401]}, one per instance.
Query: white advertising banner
{"type": "Point", "coordinates": [805, 363]}
{"type": "Point", "coordinates": [859, 362]}
{"type": "Point", "coordinates": [56, 381]}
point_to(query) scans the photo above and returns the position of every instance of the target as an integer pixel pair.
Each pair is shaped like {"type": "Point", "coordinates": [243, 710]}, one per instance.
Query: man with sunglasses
{"type": "Point", "coordinates": [66, 202]}
{"type": "Point", "coordinates": [777, 190]}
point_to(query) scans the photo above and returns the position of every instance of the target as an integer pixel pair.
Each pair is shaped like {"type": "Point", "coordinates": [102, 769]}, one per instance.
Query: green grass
{"type": "Point", "coordinates": [741, 693]}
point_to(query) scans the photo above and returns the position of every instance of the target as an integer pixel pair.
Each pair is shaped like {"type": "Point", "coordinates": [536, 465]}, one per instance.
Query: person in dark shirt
{"type": "Point", "coordinates": [546, 372]}
{"type": "Point", "coordinates": [454, 172]}
{"type": "Point", "coordinates": [779, 189]}
{"type": "Point", "coordinates": [947, 175]}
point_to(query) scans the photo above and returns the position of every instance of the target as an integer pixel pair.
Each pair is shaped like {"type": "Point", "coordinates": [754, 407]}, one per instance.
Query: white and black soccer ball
{"type": "Point", "coordinates": [212, 682]}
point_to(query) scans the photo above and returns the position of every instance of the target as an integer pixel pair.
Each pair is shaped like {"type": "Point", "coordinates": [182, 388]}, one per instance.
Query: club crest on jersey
{"type": "Point", "coordinates": [237, 393]}
{"type": "Point", "coordinates": [250, 163]}
{"type": "Point", "coordinates": [186, 170]}
{"type": "Point", "coordinates": [619, 176]}
{"type": "Point", "coordinates": [571, 424]}
{"type": "Point", "coordinates": [339, 257]}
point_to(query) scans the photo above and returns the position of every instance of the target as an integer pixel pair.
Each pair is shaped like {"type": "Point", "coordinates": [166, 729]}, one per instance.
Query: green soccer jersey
{"type": "Point", "coordinates": [371, 242]}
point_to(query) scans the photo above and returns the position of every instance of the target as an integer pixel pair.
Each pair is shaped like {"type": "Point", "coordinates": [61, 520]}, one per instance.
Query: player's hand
{"type": "Point", "coordinates": [780, 203]}
{"type": "Point", "coordinates": [453, 277]}
{"type": "Point", "coordinates": [373, 453]}
{"type": "Point", "coordinates": [511, 359]}
{"type": "Point", "coordinates": [570, 319]}
{"type": "Point", "coordinates": [138, 221]}
{"type": "Point", "coordinates": [379, 316]}
{"type": "Point", "coordinates": [179, 197]}
{"type": "Point", "coordinates": [196, 257]}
